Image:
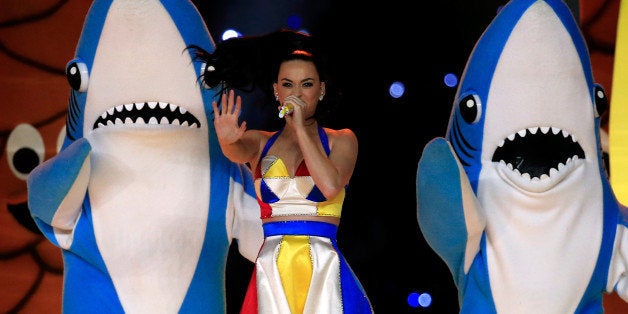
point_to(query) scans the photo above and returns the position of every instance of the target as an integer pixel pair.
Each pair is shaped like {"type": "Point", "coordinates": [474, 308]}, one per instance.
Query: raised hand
{"type": "Point", "coordinates": [226, 118]}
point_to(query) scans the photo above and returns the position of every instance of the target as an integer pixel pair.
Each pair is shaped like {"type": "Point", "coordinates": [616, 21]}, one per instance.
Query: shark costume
{"type": "Point", "coordinates": [140, 198]}
{"type": "Point", "coordinates": [516, 199]}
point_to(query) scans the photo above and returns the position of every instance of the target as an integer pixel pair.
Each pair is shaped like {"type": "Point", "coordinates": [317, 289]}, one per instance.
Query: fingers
{"type": "Point", "coordinates": [230, 102]}
{"type": "Point", "coordinates": [227, 104]}
{"type": "Point", "coordinates": [238, 105]}
{"type": "Point", "coordinates": [223, 104]}
{"type": "Point", "coordinates": [295, 100]}
{"type": "Point", "coordinates": [215, 107]}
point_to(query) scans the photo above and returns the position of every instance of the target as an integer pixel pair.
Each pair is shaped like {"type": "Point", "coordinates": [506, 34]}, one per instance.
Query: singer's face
{"type": "Point", "coordinates": [300, 78]}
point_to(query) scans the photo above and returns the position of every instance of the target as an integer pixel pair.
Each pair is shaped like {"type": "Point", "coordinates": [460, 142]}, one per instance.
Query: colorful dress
{"type": "Point", "coordinates": [299, 268]}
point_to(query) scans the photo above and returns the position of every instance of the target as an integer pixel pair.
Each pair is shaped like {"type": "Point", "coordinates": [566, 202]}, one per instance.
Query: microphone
{"type": "Point", "coordinates": [286, 109]}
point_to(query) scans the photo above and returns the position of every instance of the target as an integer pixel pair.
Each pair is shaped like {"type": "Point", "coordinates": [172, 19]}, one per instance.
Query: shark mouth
{"type": "Point", "coordinates": [539, 153]}
{"type": "Point", "coordinates": [150, 113]}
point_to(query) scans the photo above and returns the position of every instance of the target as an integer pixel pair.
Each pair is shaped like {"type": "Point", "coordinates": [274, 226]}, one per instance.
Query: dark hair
{"type": "Point", "coordinates": [252, 62]}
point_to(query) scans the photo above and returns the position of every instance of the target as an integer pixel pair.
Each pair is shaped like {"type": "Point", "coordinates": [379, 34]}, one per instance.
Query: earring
{"type": "Point", "coordinates": [320, 98]}
{"type": "Point", "coordinates": [276, 96]}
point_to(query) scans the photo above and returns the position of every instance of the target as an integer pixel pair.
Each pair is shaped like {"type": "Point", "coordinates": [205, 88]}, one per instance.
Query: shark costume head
{"type": "Point", "coordinates": [515, 198]}
{"type": "Point", "coordinates": [140, 197]}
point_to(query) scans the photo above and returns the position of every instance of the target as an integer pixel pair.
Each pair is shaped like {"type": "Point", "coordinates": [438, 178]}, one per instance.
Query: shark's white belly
{"type": "Point", "coordinates": [149, 196]}
{"type": "Point", "coordinates": [542, 247]}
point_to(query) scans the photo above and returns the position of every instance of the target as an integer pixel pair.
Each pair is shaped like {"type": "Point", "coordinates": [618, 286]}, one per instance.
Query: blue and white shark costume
{"type": "Point", "coordinates": [515, 199]}
{"type": "Point", "coordinates": [141, 198]}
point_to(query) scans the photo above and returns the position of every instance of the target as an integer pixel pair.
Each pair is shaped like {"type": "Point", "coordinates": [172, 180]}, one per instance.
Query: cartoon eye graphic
{"type": "Point", "coordinates": [25, 150]}
{"type": "Point", "coordinates": [470, 108]}
{"type": "Point", "coordinates": [601, 101]}
{"type": "Point", "coordinates": [77, 74]}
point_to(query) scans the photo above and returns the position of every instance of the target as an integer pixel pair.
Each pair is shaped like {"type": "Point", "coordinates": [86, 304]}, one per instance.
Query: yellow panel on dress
{"type": "Point", "coordinates": [295, 269]}
{"type": "Point", "coordinates": [332, 207]}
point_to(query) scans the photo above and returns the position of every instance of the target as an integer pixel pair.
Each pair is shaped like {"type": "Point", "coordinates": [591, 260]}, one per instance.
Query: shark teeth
{"type": "Point", "coordinates": [147, 113]}
{"type": "Point", "coordinates": [534, 130]}
{"type": "Point", "coordinates": [538, 152]}
{"type": "Point", "coordinates": [543, 182]}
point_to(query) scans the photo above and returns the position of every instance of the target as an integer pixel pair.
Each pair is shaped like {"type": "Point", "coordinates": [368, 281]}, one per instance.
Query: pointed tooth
{"type": "Point", "coordinates": [573, 138]}
{"type": "Point", "coordinates": [561, 166]}
{"type": "Point", "coordinates": [153, 120]}
{"type": "Point", "coordinates": [193, 125]}
{"type": "Point", "coordinates": [104, 115]}
{"type": "Point", "coordinates": [553, 172]}
{"type": "Point", "coordinates": [164, 120]}
{"type": "Point", "coordinates": [119, 121]}
{"type": "Point", "coordinates": [128, 120]}
{"type": "Point", "coordinates": [172, 107]}
{"type": "Point", "coordinates": [119, 108]}
{"type": "Point", "coordinates": [152, 104]}
{"type": "Point", "coordinates": [100, 124]}
{"type": "Point", "coordinates": [128, 107]}
{"type": "Point", "coordinates": [526, 176]}
{"type": "Point", "coordinates": [139, 105]}
{"type": "Point", "coordinates": [533, 130]}
{"type": "Point", "coordinates": [175, 122]}
{"type": "Point", "coordinates": [510, 166]}
{"type": "Point", "coordinates": [110, 111]}
{"type": "Point", "coordinates": [544, 129]}
{"type": "Point", "coordinates": [511, 137]}
{"type": "Point", "coordinates": [501, 143]}
{"type": "Point", "coordinates": [163, 105]}
{"type": "Point", "coordinates": [109, 122]}
{"type": "Point", "coordinates": [544, 176]}
{"type": "Point", "coordinates": [185, 123]}
{"type": "Point", "coordinates": [565, 134]}
{"type": "Point", "coordinates": [182, 110]}
{"type": "Point", "coordinates": [536, 179]}
{"type": "Point", "coordinates": [140, 120]}
{"type": "Point", "coordinates": [555, 130]}
{"type": "Point", "coordinates": [522, 133]}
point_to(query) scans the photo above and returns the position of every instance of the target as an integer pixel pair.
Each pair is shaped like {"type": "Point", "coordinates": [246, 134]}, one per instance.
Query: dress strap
{"type": "Point", "coordinates": [324, 140]}
{"type": "Point", "coordinates": [269, 143]}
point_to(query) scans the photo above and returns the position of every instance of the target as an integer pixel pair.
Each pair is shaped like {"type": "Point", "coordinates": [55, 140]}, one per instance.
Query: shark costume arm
{"type": "Point", "coordinates": [244, 214]}
{"type": "Point", "coordinates": [57, 190]}
{"type": "Point", "coordinates": [448, 212]}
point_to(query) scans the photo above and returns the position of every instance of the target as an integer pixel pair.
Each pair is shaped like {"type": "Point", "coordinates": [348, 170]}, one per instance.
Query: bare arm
{"type": "Point", "coordinates": [332, 173]}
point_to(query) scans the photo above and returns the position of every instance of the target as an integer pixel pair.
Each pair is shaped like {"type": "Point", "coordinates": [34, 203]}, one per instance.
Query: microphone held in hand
{"type": "Point", "coordinates": [286, 109]}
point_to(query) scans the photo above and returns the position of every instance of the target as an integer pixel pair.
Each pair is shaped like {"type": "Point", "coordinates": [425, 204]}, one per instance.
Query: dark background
{"type": "Point", "coordinates": [371, 46]}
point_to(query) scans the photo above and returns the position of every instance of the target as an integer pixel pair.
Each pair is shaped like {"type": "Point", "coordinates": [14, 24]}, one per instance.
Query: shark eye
{"type": "Point", "coordinates": [25, 150]}
{"type": "Point", "coordinates": [470, 108]}
{"type": "Point", "coordinates": [601, 102]}
{"type": "Point", "coordinates": [77, 75]}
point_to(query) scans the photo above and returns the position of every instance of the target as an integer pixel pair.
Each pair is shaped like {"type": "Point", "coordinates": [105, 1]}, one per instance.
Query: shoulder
{"type": "Point", "coordinates": [345, 137]}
